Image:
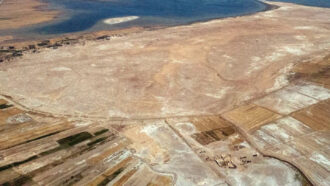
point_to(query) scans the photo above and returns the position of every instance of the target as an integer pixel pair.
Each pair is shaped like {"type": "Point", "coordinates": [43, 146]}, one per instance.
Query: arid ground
{"type": "Point", "coordinates": [235, 101]}
{"type": "Point", "coordinates": [19, 13]}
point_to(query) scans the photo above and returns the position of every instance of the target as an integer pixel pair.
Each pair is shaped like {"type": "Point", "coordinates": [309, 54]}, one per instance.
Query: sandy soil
{"type": "Point", "coordinates": [18, 13]}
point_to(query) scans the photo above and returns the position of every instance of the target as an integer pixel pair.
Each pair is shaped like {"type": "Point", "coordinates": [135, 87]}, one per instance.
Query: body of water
{"type": "Point", "coordinates": [90, 15]}
{"type": "Point", "coordinates": [84, 15]}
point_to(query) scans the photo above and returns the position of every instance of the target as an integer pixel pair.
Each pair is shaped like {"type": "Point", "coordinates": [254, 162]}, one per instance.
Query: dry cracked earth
{"type": "Point", "coordinates": [236, 101]}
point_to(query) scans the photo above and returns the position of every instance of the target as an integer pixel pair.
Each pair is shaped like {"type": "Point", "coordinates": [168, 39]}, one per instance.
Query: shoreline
{"type": "Point", "coordinates": [18, 39]}
{"type": "Point", "coordinates": [16, 47]}
{"type": "Point", "coordinates": [84, 39]}
{"type": "Point", "coordinates": [12, 49]}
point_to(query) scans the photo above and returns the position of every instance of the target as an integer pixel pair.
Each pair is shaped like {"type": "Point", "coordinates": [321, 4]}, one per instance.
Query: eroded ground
{"type": "Point", "coordinates": [186, 105]}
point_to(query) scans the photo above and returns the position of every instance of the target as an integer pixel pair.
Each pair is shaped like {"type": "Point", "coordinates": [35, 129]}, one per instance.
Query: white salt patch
{"type": "Point", "coordinates": [269, 172]}
{"type": "Point", "coordinates": [183, 162]}
{"type": "Point", "coordinates": [318, 141]}
{"type": "Point", "coordinates": [293, 50]}
{"type": "Point", "coordinates": [314, 91]}
{"type": "Point", "coordinates": [320, 159]}
{"type": "Point", "coordinates": [322, 141]}
{"type": "Point", "coordinates": [112, 21]}
{"type": "Point", "coordinates": [150, 129]}
{"type": "Point", "coordinates": [294, 124]}
{"type": "Point", "coordinates": [265, 137]}
{"type": "Point", "coordinates": [298, 49]}
{"type": "Point", "coordinates": [286, 101]}
{"type": "Point", "coordinates": [277, 132]}
{"type": "Point", "coordinates": [253, 67]}
{"type": "Point", "coordinates": [275, 56]}
{"type": "Point", "coordinates": [293, 101]}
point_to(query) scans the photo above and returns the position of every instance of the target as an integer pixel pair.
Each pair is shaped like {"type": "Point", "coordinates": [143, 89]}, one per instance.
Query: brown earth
{"type": "Point", "coordinates": [18, 13]}
{"type": "Point", "coordinates": [200, 69]}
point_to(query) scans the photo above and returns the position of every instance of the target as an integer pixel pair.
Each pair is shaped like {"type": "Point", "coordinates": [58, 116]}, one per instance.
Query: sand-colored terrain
{"type": "Point", "coordinates": [201, 69]}
{"type": "Point", "coordinates": [237, 101]}
{"type": "Point", "coordinates": [18, 13]}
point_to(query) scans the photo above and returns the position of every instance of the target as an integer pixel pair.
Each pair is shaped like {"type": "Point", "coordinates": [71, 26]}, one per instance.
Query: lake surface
{"type": "Point", "coordinates": [89, 15]}
{"type": "Point", "coordinates": [84, 15]}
